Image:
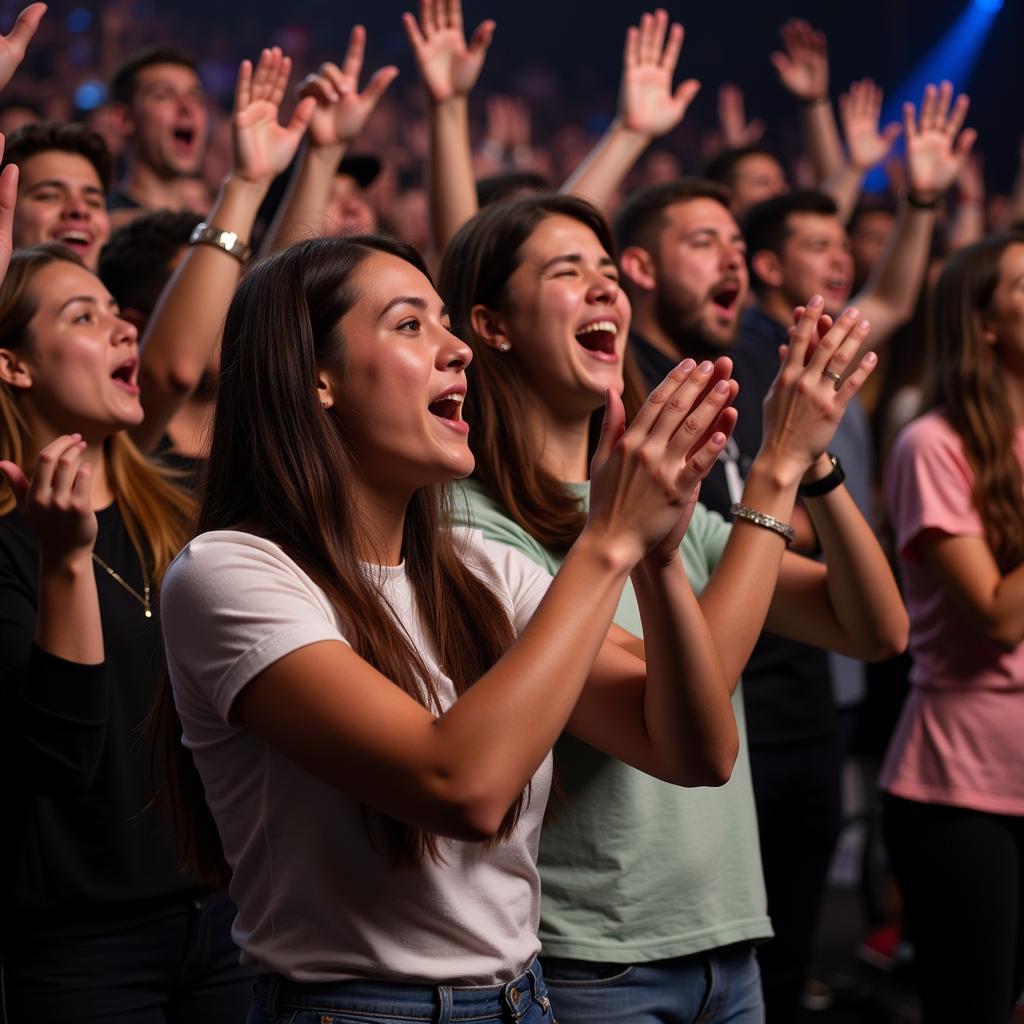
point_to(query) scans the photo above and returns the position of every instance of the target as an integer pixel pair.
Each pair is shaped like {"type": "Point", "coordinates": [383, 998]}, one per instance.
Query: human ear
{"type": "Point", "coordinates": [489, 327]}
{"type": "Point", "coordinates": [766, 266]}
{"type": "Point", "coordinates": [638, 265]}
{"type": "Point", "coordinates": [14, 371]}
{"type": "Point", "coordinates": [324, 389]}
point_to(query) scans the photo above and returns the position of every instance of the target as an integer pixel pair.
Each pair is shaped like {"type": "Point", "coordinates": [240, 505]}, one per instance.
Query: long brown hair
{"type": "Point", "coordinates": [280, 467]}
{"type": "Point", "coordinates": [155, 511]}
{"type": "Point", "coordinates": [966, 384]}
{"type": "Point", "coordinates": [476, 269]}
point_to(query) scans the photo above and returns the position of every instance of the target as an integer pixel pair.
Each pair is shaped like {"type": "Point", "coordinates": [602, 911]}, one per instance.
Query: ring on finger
{"type": "Point", "coordinates": [832, 376]}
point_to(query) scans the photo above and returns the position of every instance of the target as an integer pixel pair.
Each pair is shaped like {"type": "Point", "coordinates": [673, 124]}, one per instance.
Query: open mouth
{"type": "Point", "coordinates": [124, 376]}
{"type": "Point", "coordinates": [726, 298]}
{"type": "Point", "coordinates": [837, 284]}
{"type": "Point", "coordinates": [448, 409]}
{"type": "Point", "coordinates": [78, 241]}
{"type": "Point", "coordinates": [599, 337]}
{"type": "Point", "coordinates": [184, 136]}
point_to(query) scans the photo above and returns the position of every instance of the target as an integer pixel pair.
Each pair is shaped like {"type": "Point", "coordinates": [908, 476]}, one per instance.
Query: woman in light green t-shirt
{"type": "Point", "coordinates": [645, 884]}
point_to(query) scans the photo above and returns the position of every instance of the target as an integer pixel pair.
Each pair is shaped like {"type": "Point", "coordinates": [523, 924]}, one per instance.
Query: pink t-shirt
{"type": "Point", "coordinates": [960, 738]}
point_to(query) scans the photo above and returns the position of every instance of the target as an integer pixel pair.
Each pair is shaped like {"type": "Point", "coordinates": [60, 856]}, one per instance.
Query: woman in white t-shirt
{"type": "Point", "coordinates": [369, 697]}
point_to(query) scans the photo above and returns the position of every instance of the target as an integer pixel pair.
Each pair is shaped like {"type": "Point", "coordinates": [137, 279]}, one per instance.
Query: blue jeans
{"type": "Point", "coordinates": [722, 986]}
{"type": "Point", "coordinates": [523, 1000]}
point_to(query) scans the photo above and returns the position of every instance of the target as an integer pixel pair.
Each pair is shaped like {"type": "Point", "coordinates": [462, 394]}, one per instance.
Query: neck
{"type": "Point", "coordinates": [382, 514]}
{"type": "Point", "coordinates": [775, 305]}
{"type": "Point", "coordinates": [563, 442]}
{"type": "Point", "coordinates": [153, 189]}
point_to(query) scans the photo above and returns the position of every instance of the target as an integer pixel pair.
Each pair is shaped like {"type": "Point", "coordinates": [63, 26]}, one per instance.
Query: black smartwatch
{"type": "Point", "coordinates": [827, 483]}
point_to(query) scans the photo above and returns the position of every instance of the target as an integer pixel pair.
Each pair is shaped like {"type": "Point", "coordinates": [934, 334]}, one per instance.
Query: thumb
{"type": "Point", "coordinates": [378, 83]}
{"type": "Point", "coordinates": [686, 91]}
{"type": "Point", "coordinates": [16, 478]}
{"type": "Point", "coordinates": [302, 115]}
{"type": "Point", "coordinates": [612, 427]}
{"type": "Point", "coordinates": [891, 132]}
{"type": "Point", "coordinates": [482, 37]}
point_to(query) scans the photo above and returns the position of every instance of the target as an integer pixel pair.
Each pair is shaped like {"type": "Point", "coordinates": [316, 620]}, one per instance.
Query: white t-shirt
{"type": "Point", "coordinates": [317, 900]}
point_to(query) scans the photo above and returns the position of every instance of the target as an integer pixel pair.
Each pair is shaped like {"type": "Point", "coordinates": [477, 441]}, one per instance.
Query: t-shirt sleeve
{"type": "Point", "coordinates": [232, 607]}
{"type": "Point", "coordinates": [710, 532]}
{"type": "Point", "coordinates": [522, 579]}
{"type": "Point", "coordinates": [929, 485]}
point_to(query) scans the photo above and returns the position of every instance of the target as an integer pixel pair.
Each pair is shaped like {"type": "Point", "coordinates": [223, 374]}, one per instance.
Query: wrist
{"type": "Point", "coordinates": [922, 199]}
{"type": "Point", "coordinates": [819, 469]}
{"type": "Point", "coordinates": [654, 566]}
{"type": "Point", "coordinates": [67, 566]}
{"type": "Point", "coordinates": [457, 103]}
{"type": "Point", "coordinates": [614, 554]}
{"type": "Point", "coordinates": [240, 188]}
{"type": "Point", "coordinates": [807, 102]}
{"type": "Point", "coordinates": [776, 472]}
{"type": "Point", "coordinates": [633, 136]}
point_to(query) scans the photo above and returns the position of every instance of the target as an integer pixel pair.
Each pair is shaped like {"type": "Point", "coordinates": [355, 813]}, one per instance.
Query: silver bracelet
{"type": "Point", "coordinates": [227, 241]}
{"type": "Point", "coordinates": [751, 515]}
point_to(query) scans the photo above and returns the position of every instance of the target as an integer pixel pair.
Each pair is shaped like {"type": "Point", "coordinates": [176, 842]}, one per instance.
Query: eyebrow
{"type": "Point", "coordinates": [408, 300]}
{"type": "Point", "coordinates": [574, 258]}
{"type": "Point", "coordinates": [58, 183]}
{"type": "Point", "coordinates": [90, 299]}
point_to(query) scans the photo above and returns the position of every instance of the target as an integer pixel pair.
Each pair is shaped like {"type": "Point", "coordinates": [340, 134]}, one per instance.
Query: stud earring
{"type": "Point", "coordinates": [504, 346]}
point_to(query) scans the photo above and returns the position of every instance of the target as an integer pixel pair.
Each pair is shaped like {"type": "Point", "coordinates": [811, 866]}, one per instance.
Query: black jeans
{"type": "Point", "coordinates": [799, 815]}
{"type": "Point", "coordinates": [178, 966]}
{"type": "Point", "coordinates": [962, 876]}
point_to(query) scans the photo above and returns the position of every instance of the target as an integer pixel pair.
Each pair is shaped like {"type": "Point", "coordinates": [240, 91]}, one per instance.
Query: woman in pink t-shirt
{"type": "Point", "coordinates": [954, 772]}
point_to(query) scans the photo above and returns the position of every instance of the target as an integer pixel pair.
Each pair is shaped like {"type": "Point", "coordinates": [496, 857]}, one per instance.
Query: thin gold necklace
{"type": "Point", "coordinates": [142, 598]}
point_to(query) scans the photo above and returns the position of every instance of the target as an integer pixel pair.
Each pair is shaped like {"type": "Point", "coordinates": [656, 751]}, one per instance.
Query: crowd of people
{"type": "Point", "coordinates": [438, 580]}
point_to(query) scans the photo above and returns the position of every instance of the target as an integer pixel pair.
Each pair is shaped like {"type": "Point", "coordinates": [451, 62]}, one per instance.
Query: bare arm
{"type": "Point", "coordinates": [458, 773]}
{"type": "Point", "coordinates": [186, 325]}
{"type": "Point", "coordinates": [340, 114]}
{"type": "Point", "coordinates": [967, 225]}
{"type": "Point", "coordinates": [449, 69]}
{"type": "Point", "coordinates": [1015, 214]}
{"type": "Point", "coordinates": [802, 66]}
{"type": "Point", "coordinates": [936, 149]}
{"type": "Point", "coordinates": [648, 109]}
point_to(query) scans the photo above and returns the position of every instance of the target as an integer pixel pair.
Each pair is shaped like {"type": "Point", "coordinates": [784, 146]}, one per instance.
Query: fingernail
{"type": "Point", "coordinates": [706, 366]}
{"type": "Point", "coordinates": [721, 387]}
{"type": "Point", "coordinates": [864, 325]}
{"type": "Point", "coordinates": [718, 438]}
{"type": "Point", "coordinates": [687, 365]}
{"type": "Point", "coordinates": [871, 358]}
{"type": "Point", "coordinates": [816, 301]}
{"type": "Point", "coordinates": [852, 313]}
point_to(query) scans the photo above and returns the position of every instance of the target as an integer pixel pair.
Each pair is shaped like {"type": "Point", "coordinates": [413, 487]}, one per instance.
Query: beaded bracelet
{"type": "Point", "coordinates": [751, 515]}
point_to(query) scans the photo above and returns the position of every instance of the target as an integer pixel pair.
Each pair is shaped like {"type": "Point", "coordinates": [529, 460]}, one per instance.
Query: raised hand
{"type": "Point", "coordinates": [803, 64]}
{"type": "Point", "coordinates": [644, 477]}
{"type": "Point", "coordinates": [263, 146]}
{"type": "Point", "coordinates": [819, 375]}
{"type": "Point", "coordinates": [936, 146]}
{"type": "Point", "coordinates": [57, 502]}
{"type": "Point", "coordinates": [15, 43]}
{"type": "Point", "coordinates": [449, 68]}
{"type": "Point", "coordinates": [647, 103]}
{"type": "Point", "coordinates": [734, 129]}
{"type": "Point", "coordinates": [341, 109]}
{"type": "Point", "coordinates": [859, 111]}
{"type": "Point", "coordinates": [8, 200]}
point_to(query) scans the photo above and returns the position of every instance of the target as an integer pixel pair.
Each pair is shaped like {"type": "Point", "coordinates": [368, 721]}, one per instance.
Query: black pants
{"type": "Point", "coordinates": [799, 815]}
{"type": "Point", "coordinates": [178, 966]}
{"type": "Point", "coordinates": [962, 876]}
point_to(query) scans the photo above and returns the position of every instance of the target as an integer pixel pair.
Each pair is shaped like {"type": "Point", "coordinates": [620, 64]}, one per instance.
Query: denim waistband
{"type": "Point", "coordinates": [438, 1004]}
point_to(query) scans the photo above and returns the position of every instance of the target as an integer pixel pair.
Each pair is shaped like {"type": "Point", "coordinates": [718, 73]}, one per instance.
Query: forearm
{"type": "Point", "coordinates": [302, 211]}
{"type": "Point", "coordinates": [68, 624]}
{"type": "Point", "coordinates": [452, 185]}
{"type": "Point", "coordinates": [599, 177]}
{"type": "Point", "coordinates": [538, 681]}
{"type": "Point", "coordinates": [186, 325]}
{"type": "Point", "coordinates": [890, 295]}
{"type": "Point", "coordinates": [822, 134]}
{"type": "Point", "coordinates": [736, 599]}
{"type": "Point", "coordinates": [967, 224]}
{"type": "Point", "coordinates": [687, 707]}
{"type": "Point", "coordinates": [844, 186]}
{"type": "Point", "coordinates": [862, 593]}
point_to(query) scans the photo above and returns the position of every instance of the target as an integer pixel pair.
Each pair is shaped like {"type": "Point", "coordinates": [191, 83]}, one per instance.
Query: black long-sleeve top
{"type": "Point", "coordinates": [87, 846]}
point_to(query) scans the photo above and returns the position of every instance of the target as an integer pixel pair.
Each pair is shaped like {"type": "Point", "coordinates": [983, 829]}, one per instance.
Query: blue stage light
{"type": "Point", "coordinates": [989, 5]}
{"type": "Point", "coordinates": [89, 95]}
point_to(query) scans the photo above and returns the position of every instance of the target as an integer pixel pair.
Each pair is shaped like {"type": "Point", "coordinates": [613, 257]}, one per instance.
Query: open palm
{"type": "Point", "coordinates": [263, 146]}
{"type": "Point", "coordinates": [859, 110]}
{"type": "Point", "coordinates": [936, 146]}
{"type": "Point", "coordinates": [449, 67]}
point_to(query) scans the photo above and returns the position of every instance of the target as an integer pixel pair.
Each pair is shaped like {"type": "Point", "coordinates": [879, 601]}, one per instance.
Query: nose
{"type": "Point", "coordinates": [602, 287]}
{"type": "Point", "coordinates": [453, 353]}
{"type": "Point", "coordinates": [732, 257]}
{"type": "Point", "coordinates": [123, 333]}
{"type": "Point", "coordinates": [76, 207]}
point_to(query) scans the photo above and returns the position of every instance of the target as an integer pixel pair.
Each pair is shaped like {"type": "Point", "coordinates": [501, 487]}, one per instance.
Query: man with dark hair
{"type": "Point", "coordinates": [64, 175]}
{"type": "Point", "coordinates": [751, 173]}
{"type": "Point", "coordinates": [869, 228]}
{"type": "Point", "coordinates": [162, 109]}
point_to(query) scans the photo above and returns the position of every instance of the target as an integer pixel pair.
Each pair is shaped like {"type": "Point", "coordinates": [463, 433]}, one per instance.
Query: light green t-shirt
{"type": "Point", "coordinates": [634, 869]}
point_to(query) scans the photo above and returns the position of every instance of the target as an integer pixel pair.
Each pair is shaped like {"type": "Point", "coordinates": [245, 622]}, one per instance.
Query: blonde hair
{"type": "Point", "coordinates": [156, 512]}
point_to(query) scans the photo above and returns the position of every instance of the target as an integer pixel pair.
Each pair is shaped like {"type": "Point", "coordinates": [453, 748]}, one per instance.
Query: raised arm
{"type": "Point", "coordinates": [340, 114]}
{"type": "Point", "coordinates": [936, 149]}
{"type": "Point", "coordinates": [850, 604]}
{"type": "Point", "coordinates": [648, 108]}
{"type": "Point", "coordinates": [1015, 212]}
{"type": "Point", "coordinates": [15, 43]}
{"type": "Point", "coordinates": [449, 69]}
{"type": "Point", "coordinates": [186, 325]}
{"type": "Point", "coordinates": [866, 144]}
{"type": "Point", "coordinates": [802, 66]}
{"type": "Point", "coordinates": [967, 223]}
